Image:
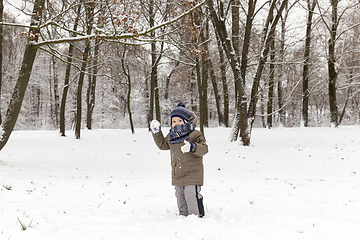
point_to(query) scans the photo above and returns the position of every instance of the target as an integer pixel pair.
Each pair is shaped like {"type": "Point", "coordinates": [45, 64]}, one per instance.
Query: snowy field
{"type": "Point", "coordinates": [290, 184]}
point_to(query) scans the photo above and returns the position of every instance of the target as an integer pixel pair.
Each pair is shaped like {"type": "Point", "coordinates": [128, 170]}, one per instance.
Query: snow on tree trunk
{"type": "Point", "coordinates": [235, 66]}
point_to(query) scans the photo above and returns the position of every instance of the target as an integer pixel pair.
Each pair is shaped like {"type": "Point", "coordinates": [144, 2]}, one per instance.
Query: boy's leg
{"type": "Point", "coordinates": [181, 201]}
{"type": "Point", "coordinates": [194, 200]}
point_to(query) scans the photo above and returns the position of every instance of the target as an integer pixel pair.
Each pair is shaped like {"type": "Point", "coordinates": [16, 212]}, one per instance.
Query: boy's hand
{"type": "Point", "coordinates": [188, 147]}
{"type": "Point", "coordinates": [155, 126]}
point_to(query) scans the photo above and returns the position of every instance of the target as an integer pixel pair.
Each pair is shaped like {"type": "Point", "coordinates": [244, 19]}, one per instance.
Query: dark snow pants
{"type": "Point", "coordinates": [189, 200]}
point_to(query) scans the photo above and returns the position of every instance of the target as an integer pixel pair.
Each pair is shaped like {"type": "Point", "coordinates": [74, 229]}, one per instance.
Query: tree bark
{"type": "Point", "coordinates": [193, 94]}
{"type": "Point", "coordinates": [198, 79]}
{"type": "Point", "coordinates": [305, 101]}
{"type": "Point", "coordinates": [269, 29]}
{"type": "Point", "coordinates": [67, 77]}
{"type": "Point", "coordinates": [241, 106]}
{"type": "Point", "coordinates": [92, 86]}
{"type": "Point", "coordinates": [93, 78]}
{"type": "Point", "coordinates": [168, 78]}
{"type": "Point", "coordinates": [56, 93]}
{"type": "Point", "coordinates": [85, 63]}
{"type": "Point", "coordinates": [235, 38]}
{"type": "Point", "coordinates": [154, 91]}
{"type": "Point", "coordinates": [216, 91]}
{"type": "Point", "coordinates": [17, 98]}
{"type": "Point", "coordinates": [204, 76]}
{"type": "Point", "coordinates": [220, 28]}
{"type": "Point", "coordinates": [127, 75]}
{"type": "Point", "coordinates": [331, 66]}
{"type": "Point", "coordinates": [1, 50]}
{"type": "Point", "coordinates": [224, 83]}
{"type": "Point", "coordinates": [201, 70]}
{"type": "Point", "coordinates": [281, 70]}
{"type": "Point", "coordinates": [271, 83]}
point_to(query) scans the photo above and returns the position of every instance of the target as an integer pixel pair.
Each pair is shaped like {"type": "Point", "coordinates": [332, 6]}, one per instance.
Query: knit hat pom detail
{"type": "Point", "coordinates": [181, 104]}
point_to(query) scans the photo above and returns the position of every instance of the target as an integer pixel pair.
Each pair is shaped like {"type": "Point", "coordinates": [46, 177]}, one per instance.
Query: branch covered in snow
{"type": "Point", "coordinates": [103, 35]}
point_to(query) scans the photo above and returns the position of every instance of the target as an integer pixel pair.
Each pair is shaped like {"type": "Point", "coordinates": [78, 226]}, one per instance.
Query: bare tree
{"type": "Point", "coordinates": [14, 107]}
{"type": "Point", "coordinates": [305, 109]}
{"type": "Point", "coordinates": [90, 95]}
{"type": "Point", "coordinates": [241, 102]}
{"type": "Point", "coordinates": [281, 68]}
{"type": "Point", "coordinates": [155, 58]}
{"type": "Point", "coordinates": [271, 82]}
{"type": "Point", "coordinates": [331, 64]}
{"type": "Point", "coordinates": [332, 27]}
{"type": "Point", "coordinates": [57, 19]}
{"type": "Point", "coordinates": [203, 84]}
{"type": "Point", "coordinates": [89, 9]}
{"type": "Point", "coordinates": [67, 74]}
{"type": "Point", "coordinates": [126, 71]}
{"type": "Point", "coordinates": [268, 31]}
{"type": "Point", "coordinates": [220, 27]}
{"type": "Point", "coordinates": [224, 83]}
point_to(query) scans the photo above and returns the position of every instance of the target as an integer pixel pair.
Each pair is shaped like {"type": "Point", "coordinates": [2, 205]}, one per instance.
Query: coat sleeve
{"type": "Point", "coordinates": [201, 146]}
{"type": "Point", "coordinates": [161, 141]}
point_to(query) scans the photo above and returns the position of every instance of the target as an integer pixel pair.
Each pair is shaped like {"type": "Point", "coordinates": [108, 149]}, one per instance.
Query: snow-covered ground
{"type": "Point", "coordinates": [291, 183]}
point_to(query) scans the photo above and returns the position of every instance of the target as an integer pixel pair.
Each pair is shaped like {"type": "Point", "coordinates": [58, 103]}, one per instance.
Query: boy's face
{"type": "Point", "coordinates": [176, 121]}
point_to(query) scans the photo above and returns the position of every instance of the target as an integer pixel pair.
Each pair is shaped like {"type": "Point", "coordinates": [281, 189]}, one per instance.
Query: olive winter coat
{"type": "Point", "coordinates": [187, 168]}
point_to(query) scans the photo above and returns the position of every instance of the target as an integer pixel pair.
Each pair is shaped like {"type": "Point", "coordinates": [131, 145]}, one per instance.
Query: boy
{"type": "Point", "coordinates": [187, 147]}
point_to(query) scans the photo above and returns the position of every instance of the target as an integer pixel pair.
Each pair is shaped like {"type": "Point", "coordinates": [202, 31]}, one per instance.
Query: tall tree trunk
{"type": "Point", "coordinates": [51, 116]}
{"type": "Point", "coordinates": [79, 89]}
{"type": "Point", "coordinates": [224, 83]}
{"type": "Point", "coordinates": [1, 50]}
{"type": "Point", "coordinates": [194, 95]}
{"type": "Point", "coordinates": [347, 98]}
{"type": "Point", "coordinates": [17, 98]}
{"type": "Point", "coordinates": [201, 70]}
{"type": "Point", "coordinates": [262, 109]}
{"type": "Point", "coordinates": [235, 38]}
{"type": "Point", "coordinates": [331, 66]}
{"type": "Point", "coordinates": [90, 99]}
{"type": "Point", "coordinates": [154, 91]}
{"type": "Point", "coordinates": [126, 71]}
{"type": "Point", "coordinates": [305, 101]}
{"type": "Point", "coordinates": [269, 29]}
{"type": "Point", "coordinates": [56, 93]}
{"type": "Point", "coordinates": [93, 79]}
{"type": "Point", "coordinates": [204, 83]}
{"type": "Point", "coordinates": [92, 86]}
{"type": "Point", "coordinates": [351, 64]}
{"type": "Point", "coordinates": [281, 69]}
{"type": "Point", "coordinates": [198, 79]}
{"type": "Point", "coordinates": [220, 28]}
{"type": "Point", "coordinates": [216, 91]}
{"type": "Point", "coordinates": [85, 62]}
{"type": "Point", "coordinates": [35, 101]}
{"type": "Point", "coordinates": [271, 83]}
{"type": "Point", "coordinates": [235, 27]}
{"type": "Point", "coordinates": [168, 78]}
{"type": "Point", "coordinates": [67, 77]}
{"type": "Point", "coordinates": [157, 96]}
{"type": "Point", "coordinates": [241, 105]}
{"type": "Point", "coordinates": [128, 105]}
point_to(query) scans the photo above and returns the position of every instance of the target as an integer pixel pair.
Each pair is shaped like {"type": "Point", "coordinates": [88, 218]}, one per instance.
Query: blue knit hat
{"type": "Point", "coordinates": [181, 112]}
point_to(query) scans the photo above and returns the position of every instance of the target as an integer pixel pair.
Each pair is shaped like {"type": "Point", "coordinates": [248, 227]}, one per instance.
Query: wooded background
{"type": "Point", "coordinates": [120, 64]}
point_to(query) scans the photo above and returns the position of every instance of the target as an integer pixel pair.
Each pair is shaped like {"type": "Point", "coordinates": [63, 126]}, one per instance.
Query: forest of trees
{"type": "Point", "coordinates": [79, 64]}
